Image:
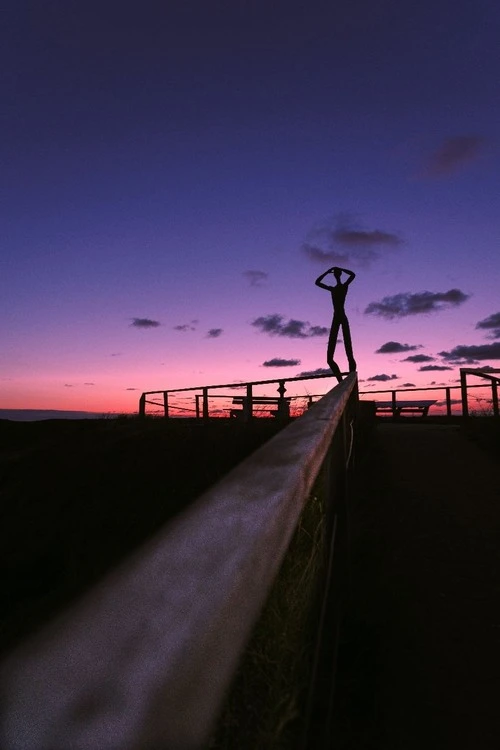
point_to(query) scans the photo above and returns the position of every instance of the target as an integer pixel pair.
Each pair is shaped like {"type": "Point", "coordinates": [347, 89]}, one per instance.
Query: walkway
{"type": "Point", "coordinates": [419, 665]}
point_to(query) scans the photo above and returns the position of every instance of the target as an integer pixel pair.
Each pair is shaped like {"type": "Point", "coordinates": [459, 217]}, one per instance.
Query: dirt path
{"type": "Point", "coordinates": [419, 666]}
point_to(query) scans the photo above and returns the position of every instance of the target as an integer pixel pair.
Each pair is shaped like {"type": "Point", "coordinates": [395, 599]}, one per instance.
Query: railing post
{"type": "Point", "coordinates": [197, 404]}
{"type": "Point", "coordinates": [165, 404]}
{"type": "Point", "coordinates": [142, 405]}
{"type": "Point", "coordinates": [463, 388]}
{"type": "Point", "coordinates": [394, 404]}
{"type": "Point", "coordinates": [205, 404]}
{"type": "Point", "coordinates": [448, 402]}
{"type": "Point", "coordinates": [283, 409]}
{"type": "Point", "coordinates": [494, 397]}
{"type": "Point", "coordinates": [248, 404]}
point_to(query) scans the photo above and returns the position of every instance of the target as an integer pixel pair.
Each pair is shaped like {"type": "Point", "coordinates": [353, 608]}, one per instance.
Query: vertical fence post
{"type": "Point", "coordinates": [448, 402]}
{"type": "Point", "coordinates": [165, 404]}
{"type": "Point", "coordinates": [394, 404]}
{"type": "Point", "coordinates": [283, 408]}
{"type": "Point", "coordinates": [463, 387]}
{"type": "Point", "coordinates": [494, 397]}
{"type": "Point", "coordinates": [248, 404]}
{"type": "Point", "coordinates": [205, 404]}
{"type": "Point", "coordinates": [197, 404]}
{"type": "Point", "coordinates": [142, 405]}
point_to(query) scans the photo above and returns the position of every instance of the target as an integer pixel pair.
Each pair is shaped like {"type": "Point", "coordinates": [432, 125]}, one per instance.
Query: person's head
{"type": "Point", "coordinates": [337, 273]}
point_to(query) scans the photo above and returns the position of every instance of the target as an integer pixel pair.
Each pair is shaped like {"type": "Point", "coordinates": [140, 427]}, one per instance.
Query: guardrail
{"type": "Point", "coordinates": [204, 392]}
{"type": "Point", "coordinates": [200, 395]}
{"type": "Point", "coordinates": [144, 659]}
{"type": "Point", "coordinates": [485, 375]}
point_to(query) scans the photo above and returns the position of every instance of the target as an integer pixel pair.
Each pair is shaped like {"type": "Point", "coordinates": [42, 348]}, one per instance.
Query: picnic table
{"type": "Point", "coordinates": [281, 403]}
{"type": "Point", "coordinates": [399, 407]}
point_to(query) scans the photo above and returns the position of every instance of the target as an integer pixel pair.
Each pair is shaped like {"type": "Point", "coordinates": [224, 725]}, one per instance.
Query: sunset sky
{"type": "Point", "coordinates": [175, 175]}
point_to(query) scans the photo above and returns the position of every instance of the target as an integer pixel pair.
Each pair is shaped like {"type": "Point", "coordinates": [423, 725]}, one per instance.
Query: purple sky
{"type": "Point", "coordinates": [176, 175]}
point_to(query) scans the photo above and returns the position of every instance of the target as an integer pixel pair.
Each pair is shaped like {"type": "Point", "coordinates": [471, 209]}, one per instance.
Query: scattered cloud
{"type": "Point", "coordinates": [394, 347]}
{"type": "Point", "coordinates": [275, 325]}
{"type": "Point", "coordinates": [256, 278]}
{"type": "Point", "coordinates": [452, 154]}
{"type": "Point", "coordinates": [434, 368]}
{"type": "Point", "coordinates": [491, 323]}
{"type": "Point", "coordinates": [383, 378]}
{"type": "Point", "coordinates": [466, 362]}
{"type": "Point", "coordinates": [69, 385]}
{"type": "Point", "coordinates": [184, 327]}
{"type": "Point", "coordinates": [475, 352]}
{"type": "Point", "coordinates": [409, 385]}
{"type": "Point", "coordinates": [131, 389]}
{"type": "Point", "coordinates": [418, 358]}
{"type": "Point", "coordinates": [341, 241]}
{"type": "Point", "coordinates": [401, 305]}
{"type": "Point", "coordinates": [214, 333]}
{"type": "Point", "coordinates": [145, 323]}
{"type": "Point", "coordinates": [317, 371]}
{"type": "Point", "coordinates": [89, 384]}
{"type": "Point", "coordinates": [278, 362]}
{"type": "Point", "coordinates": [116, 354]}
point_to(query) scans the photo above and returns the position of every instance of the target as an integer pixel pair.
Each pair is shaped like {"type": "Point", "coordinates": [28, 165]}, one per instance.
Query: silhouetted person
{"type": "Point", "coordinates": [339, 293]}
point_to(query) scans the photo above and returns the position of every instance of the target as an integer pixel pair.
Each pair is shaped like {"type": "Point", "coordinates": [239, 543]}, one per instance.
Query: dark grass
{"type": "Point", "coordinates": [266, 705]}
{"type": "Point", "coordinates": [485, 432]}
{"type": "Point", "coordinates": [77, 496]}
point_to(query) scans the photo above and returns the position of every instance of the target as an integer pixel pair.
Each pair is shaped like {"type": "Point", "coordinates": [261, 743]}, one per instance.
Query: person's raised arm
{"type": "Point", "coordinates": [351, 275]}
{"type": "Point", "coordinates": [319, 280]}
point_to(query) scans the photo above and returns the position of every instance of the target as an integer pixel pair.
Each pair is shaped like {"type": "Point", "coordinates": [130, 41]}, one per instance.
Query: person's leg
{"type": "Point", "coordinates": [346, 333]}
{"type": "Point", "coordinates": [332, 343]}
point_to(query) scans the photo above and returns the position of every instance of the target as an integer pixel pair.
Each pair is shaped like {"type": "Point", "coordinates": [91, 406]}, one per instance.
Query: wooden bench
{"type": "Point", "coordinates": [282, 405]}
{"type": "Point", "coordinates": [404, 407]}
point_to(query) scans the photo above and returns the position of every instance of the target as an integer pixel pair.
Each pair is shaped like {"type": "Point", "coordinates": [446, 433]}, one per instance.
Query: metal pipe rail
{"type": "Point", "coordinates": [204, 395]}
{"type": "Point", "coordinates": [144, 659]}
{"type": "Point", "coordinates": [486, 375]}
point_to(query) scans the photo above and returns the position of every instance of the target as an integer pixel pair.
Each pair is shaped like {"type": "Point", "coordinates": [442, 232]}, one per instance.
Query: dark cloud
{"type": "Point", "coordinates": [275, 325]}
{"type": "Point", "coordinates": [476, 352]}
{"type": "Point", "coordinates": [214, 333]}
{"type": "Point", "coordinates": [466, 362]}
{"type": "Point", "coordinates": [278, 362]}
{"type": "Point", "coordinates": [89, 384]}
{"type": "Point", "coordinates": [408, 385]}
{"type": "Point", "coordinates": [383, 378]}
{"type": "Point", "coordinates": [116, 354]}
{"type": "Point", "coordinates": [183, 327]}
{"type": "Point", "coordinates": [340, 242]}
{"type": "Point", "coordinates": [406, 303]}
{"type": "Point", "coordinates": [491, 323]}
{"type": "Point", "coordinates": [130, 389]}
{"type": "Point", "coordinates": [452, 401]}
{"type": "Point", "coordinates": [318, 371]}
{"type": "Point", "coordinates": [452, 154]}
{"type": "Point", "coordinates": [69, 385]}
{"type": "Point", "coordinates": [434, 368]}
{"type": "Point", "coordinates": [418, 358]}
{"type": "Point", "coordinates": [145, 323]}
{"type": "Point", "coordinates": [256, 278]}
{"type": "Point", "coordinates": [394, 347]}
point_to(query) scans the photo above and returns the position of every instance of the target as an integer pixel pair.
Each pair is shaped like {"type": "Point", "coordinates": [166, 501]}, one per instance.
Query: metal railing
{"type": "Point", "coordinates": [485, 375]}
{"type": "Point", "coordinates": [463, 387]}
{"type": "Point", "coordinates": [201, 395]}
{"type": "Point", "coordinates": [145, 658]}
{"type": "Point", "coordinates": [205, 392]}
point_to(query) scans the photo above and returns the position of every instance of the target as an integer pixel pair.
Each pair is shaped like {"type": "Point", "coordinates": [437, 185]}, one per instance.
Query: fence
{"type": "Point", "coordinates": [144, 660]}
{"type": "Point", "coordinates": [200, 396]}
{"type": "Point", "coordinates": [204, 394]}
{"type": "Point", "coordinates": [485, 375]}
